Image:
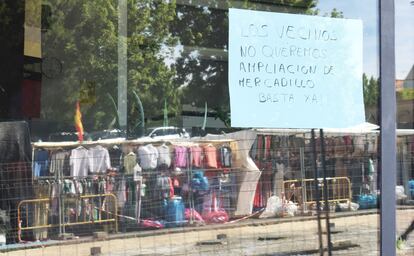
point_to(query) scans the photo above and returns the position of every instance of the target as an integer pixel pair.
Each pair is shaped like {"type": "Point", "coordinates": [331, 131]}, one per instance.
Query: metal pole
{"type": "Point", "coordinates": [405, 167]}
{"type": "Point", "coordinates": [189, 173]}
{"type": "Point", "coordinates": [122, 64]}
{"type": "Point", "coordinates": [303, 177]}
{"type": "Point", "coordinates": [387, 128]}
{"type": "Point", "coordinates": [61, 205]}
{"type": "Point", "coordinates": [317, 195]}
{"type": "Point", "coordinates": [325, 194]}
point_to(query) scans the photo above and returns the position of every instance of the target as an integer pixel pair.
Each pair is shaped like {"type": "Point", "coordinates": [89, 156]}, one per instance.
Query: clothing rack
{"type": "Point", "coordinates": [264, 160]}
{"type": "Point", "coordinates": [59, 178]}
{"type": "Point", "coordinates": [93, 176]}
{"type": "Point", "coordinates": [122, 144]}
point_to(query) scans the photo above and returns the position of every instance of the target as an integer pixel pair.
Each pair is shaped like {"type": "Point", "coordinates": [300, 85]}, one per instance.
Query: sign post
{"type": "Point", "coordinates": [325, 194]}
{"type": "Point", "coordinates": [317, 194]}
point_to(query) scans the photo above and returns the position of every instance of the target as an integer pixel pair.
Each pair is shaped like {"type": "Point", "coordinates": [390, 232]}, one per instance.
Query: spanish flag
{"type": "Point", "coordinates": [78, 122]}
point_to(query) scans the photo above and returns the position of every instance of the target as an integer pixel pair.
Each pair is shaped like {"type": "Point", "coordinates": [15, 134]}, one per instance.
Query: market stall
{"type": "Point", "coordinates": [285, 158]}
{"type": "Point", "coordinates": [122, 185]}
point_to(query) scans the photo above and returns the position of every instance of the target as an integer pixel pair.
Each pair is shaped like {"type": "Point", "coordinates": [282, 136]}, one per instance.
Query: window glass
{"type": "Point", "coordinates": [170, 65]}
{"type": "Point", "coordinates": [131, 68]}
{"type": "Point", "coordinates": [404, 85]}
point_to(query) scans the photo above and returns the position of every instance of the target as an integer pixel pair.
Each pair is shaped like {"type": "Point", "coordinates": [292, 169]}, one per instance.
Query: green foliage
{"type": "Point", "coordinates": [84, 36]}
{"type": "Point", "coordinates": [202, 70]}
{"type": "Point", "coordinates": [371, 90]}
{"type": "Point", "coordinates": [336, 14]}
{"type": "Point", "coordinates": [202, 77]}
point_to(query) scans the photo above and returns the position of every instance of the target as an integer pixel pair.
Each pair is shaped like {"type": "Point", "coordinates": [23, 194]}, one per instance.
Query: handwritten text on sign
{"type": "Point", "coordinates": [294, 71]}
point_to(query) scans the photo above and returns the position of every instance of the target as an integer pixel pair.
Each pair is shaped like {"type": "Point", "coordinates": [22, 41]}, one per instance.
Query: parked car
{"type": "Point", "coordinates": [169, 132]}
{"type": "Point", "coordinates": [107, 134]}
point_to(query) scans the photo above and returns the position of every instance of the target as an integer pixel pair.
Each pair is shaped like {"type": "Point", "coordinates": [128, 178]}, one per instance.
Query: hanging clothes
{"type": "Point", "coordinates": [163, 186]}
{"type": "Point", "coordinates": [55, 193]}
{"type": "Point", "coordinates": [196, 156]}
{"type": "Point", "coordinates": [181, 156]}
{"type": "Point", "coordinates": [266, 177]}
{"type": "Point", "coordinates": [170, 183]}
{"type": "Point", "coordinates": [256, 201]}
{"type": "Point", "coordinates": [115, 155]}
{"type": "Point", "coordinates": [260, 144]}
{"type": "Point", "coordinates": [148, 157]}
{"type": "Point", "coordinates": [164, 158]}
{"type": "Point", "coordinates": [130, 160]}
{"type": "Point", "coordinates": [120, 191]}
{"type": "Point", "coordinates": [59, 163]}
{"type": "Point", "coordinates": [79, 162]}
{"type": "Point", "coordinates": [41, 210]}
{"type": "Point", "coordinates": [131, 197]}
{"type": "Point", "coordinates": [210, 156]}
{"type": "Point", "coordinates": [225, 153]}
{"type": "Point", "coordinates": [99, 161]}
{"type": "Point", "coordinates": [267, 146]}
{"type": "Point", "coordinates": [41, 163]}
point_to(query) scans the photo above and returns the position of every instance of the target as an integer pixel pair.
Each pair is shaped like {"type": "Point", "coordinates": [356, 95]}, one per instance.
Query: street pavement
{"type": "Point", "coordinates": [352, 235]}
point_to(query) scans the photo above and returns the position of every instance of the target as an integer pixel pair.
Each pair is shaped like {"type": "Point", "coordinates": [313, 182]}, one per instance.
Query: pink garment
{"type": "Point", "coordinates": [181, 155]}
{"type": "Point", "coordinates": [176, 183]}
{"type": "Point", "coordinates": [210, 154]}
{"type": "Point", "coordinates": [191, 213]}
{"type": "Point", "coordinates": [213, 213]}
{"type": "Point", "coordinates": [268, 141]}
{"type": "Point", "coordinates": [196, 156]}
{"type": "Point", "coordinates": [171, 187]}
{"type": "Point", "coordinates": [109, 185]}
{"type": "Point", "coordinates": [151, 224]}
{"type": "Point", "coordinates": [260, 147]}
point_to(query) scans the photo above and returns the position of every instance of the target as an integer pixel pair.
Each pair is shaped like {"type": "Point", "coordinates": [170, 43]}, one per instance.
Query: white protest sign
{"type": "Point", "coordinates": [294, 71]}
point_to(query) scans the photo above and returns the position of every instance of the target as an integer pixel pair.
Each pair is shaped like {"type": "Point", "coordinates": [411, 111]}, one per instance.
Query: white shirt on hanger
{"type": "Point", "coordinates": [148, 156]}
{"type": "Point", "coordinates": [99, 160]}
{"type": "Point", "coordinates": [164, 157]}
{"type": "Point", "coordinates": [79, 163]}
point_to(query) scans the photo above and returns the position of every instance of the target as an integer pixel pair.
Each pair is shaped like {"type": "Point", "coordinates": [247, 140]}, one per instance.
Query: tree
{"type": "Point", "coordinates": [371, 97]}
{"type": "Point", "coordinates": [202, 70]}
{"type": "Point", "coordinates": [371, 91]}
{"type": "Point", "coordinates": [336, 14]}
{"type": "Point", "coordinates": [83, 36]}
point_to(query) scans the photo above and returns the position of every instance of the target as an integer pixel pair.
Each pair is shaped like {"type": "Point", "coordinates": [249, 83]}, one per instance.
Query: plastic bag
{"type": "Point", "coordinates": [348, 206]}
{"type": "Point", "coordinates": [212, 213]}
{"type": "Point", "coordinates": [199, 181]}
{"type": "Point", "coordinates": [274, 207]}
{"type": "Point", "coordinates": [152, 224]}
{"type": "Point", "coordinates": [367, 201]}
{"type": "Point", "coordinates": [411, 184]}
{"type": "Point", "coordinates": [399, 193]}
{"type": "Point", "coordinates": [411, 187]}
{"type": "Point", "coordinates": [218, 216]}
{"type": "Point", "coordinates": [291, 209]}
{"type": "Point", "coordinates": [193, 213]}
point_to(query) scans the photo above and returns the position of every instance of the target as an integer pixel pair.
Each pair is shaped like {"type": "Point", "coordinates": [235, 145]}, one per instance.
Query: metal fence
{"type": "Point", "coordinates": [209, 209]}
